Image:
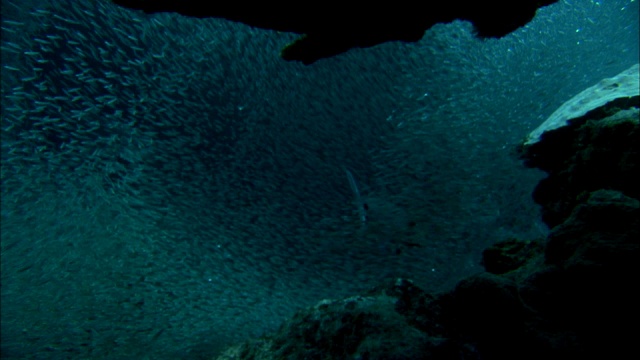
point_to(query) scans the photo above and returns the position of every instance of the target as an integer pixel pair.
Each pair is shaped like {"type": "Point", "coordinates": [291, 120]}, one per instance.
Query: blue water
{"type": "Point", "coordinates": [171, 187]}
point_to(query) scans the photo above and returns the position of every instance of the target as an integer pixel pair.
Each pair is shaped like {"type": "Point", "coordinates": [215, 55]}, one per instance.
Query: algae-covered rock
{"type": "Point", "coordinates": [380, 324]}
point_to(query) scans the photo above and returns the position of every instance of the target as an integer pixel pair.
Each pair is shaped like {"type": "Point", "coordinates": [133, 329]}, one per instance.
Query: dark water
{"type": "Point", "coordinates": [170, 186]}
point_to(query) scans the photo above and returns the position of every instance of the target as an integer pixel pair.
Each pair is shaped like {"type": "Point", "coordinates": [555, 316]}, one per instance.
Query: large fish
{"type": "Point", "coordinates": [329, 30]}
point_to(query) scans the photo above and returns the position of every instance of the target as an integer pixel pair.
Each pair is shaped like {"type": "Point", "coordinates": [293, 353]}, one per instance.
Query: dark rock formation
{"type": "Point", "coordinates": [509, 255]}
{"type": "Point", "coordinates": [330, 30]}
{"type": "Point", "coordinates": [589, 143]}
{"type": "Point", "coordinates": [571, 295]}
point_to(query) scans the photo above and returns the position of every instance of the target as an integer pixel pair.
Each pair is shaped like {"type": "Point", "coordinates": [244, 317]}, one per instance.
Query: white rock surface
{"type": "Point", "coordinates": [625, 84]}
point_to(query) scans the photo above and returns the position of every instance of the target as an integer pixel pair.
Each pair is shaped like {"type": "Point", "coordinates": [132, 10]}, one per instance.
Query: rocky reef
{"type": "Point", "coordinates": [569, 295]}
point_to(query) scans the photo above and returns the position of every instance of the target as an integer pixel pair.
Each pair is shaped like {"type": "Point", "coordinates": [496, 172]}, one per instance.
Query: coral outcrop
{"type": "Point", "coordinates": [589, 143]}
